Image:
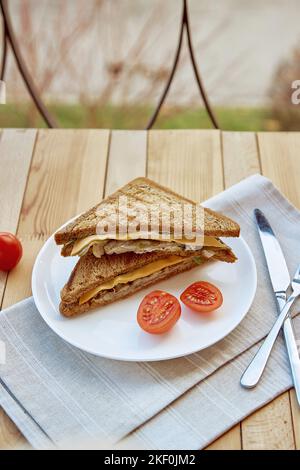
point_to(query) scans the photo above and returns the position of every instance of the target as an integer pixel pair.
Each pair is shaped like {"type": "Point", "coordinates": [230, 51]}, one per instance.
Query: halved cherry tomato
{"type": "Point", "coordinates": [10, 251]}
{"type": "Point", "coordinates": [158, 312]}
{"type": "Point", "coordinates": [202, 297]}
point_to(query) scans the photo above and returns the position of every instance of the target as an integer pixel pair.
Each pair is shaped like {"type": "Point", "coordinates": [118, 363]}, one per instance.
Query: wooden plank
{"type": "Point", "coordinates": [10, 436]}
{"type": "Point", "coordinates": [122, 147]}
{"type": "Point", "coordinates": [189, 162]}
{"type": "Point", "coordinates": [16, 148]}
{"type": "Point", "coordinates": [231, 440]}
{"type": "Point", "coordinates": [277, 152]}
{"type": "Point", "coordinates": [127, 158]}
{"type": "Point", "coordinates": [67, 176]}
{"type": "Point", "coordinates": [269, 428]}
{"type": "Point", "coordinates": [295, 418]}
{"type": "Point", "coordinates": [280, 162]}
{"type": "Point", "coordinates": [3, 278]}
{"type": "Point", "coordinates": [240, 155]}
{"type": "Point", "coordinates": [240, 160]}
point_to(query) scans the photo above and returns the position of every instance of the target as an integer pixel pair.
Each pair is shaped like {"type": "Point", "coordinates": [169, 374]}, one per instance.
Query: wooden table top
{"type": "Point", "coordinates": [48, 176]}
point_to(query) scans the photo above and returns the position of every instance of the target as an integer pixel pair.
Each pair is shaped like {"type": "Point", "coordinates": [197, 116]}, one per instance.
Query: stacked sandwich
{"type": "Point", "coordinates": [115, 265]}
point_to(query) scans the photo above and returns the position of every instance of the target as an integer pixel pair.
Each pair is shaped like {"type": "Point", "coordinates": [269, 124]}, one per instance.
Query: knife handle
{"type": "Point", "coordinates": [253, 373]}
{"type": "Point", "coordinates": [291, 345]}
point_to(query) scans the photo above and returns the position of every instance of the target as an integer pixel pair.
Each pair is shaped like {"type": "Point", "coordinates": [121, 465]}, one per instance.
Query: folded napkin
{"type": "Point", "coordinates": [61, 397]}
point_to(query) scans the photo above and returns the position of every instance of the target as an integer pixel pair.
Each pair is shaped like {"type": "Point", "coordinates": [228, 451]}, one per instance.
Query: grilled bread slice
{"type": "Point", "coordinates": [150, 194]}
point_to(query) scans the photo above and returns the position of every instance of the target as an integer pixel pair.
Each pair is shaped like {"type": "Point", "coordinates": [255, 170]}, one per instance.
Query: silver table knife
{"type": "Point", "coordinates": [280, 279]}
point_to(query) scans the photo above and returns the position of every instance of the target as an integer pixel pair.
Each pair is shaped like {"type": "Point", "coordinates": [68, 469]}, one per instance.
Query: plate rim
{"type": "Point", "coordinates": [117, 357]}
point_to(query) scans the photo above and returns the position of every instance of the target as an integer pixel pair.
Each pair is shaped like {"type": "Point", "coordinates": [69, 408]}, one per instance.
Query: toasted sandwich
{"type": "Point", "coordinates": [116, 264]}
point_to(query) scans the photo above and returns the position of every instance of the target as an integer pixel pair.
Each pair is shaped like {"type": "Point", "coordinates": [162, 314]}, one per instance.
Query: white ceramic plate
{"type": "Point", "coordinates": [112, 331]}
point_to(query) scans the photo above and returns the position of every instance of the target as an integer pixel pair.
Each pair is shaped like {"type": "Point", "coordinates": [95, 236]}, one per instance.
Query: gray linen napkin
{"type": "Point", "coordinates": [60, 396]}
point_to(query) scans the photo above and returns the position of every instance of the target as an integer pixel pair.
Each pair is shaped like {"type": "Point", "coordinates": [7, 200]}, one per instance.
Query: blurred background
{"type": "Point", "coordinates": [104, 63]}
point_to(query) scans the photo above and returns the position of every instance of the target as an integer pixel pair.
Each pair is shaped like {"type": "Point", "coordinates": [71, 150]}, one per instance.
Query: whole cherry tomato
{"type": "Point", "coordinates": [10, 251]}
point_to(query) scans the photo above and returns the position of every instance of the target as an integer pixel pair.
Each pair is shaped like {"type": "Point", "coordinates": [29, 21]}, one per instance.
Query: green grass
{"type": "Point", "coordinates": [134, 117]}
{"type": "Point", "coordinates": [238, 119]}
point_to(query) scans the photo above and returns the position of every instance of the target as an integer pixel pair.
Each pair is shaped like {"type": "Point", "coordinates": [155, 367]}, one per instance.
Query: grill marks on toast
{"type": "Point", "coordinates": [149, 193]}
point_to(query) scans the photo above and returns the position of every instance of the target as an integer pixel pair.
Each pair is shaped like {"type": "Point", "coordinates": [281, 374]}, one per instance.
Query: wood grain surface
{"type": "Point", "coordinates": [66, 177]}
{"type": "Point", "coordinates": [127, 158]}
{"type": "Point", "coordinates": [189, 162]}
{"type": "Point", "coordinates": [16, 149]}
{"type": "Point", "coordinates": [48, 176]}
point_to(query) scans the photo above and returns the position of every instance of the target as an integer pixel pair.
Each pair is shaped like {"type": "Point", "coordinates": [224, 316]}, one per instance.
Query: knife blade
{"type": "Point", "coordinates": [278, 270]}
{"type": "Point", "coordinates": [280, 280]}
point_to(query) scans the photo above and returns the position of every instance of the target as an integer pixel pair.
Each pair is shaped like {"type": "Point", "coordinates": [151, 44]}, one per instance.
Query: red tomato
{"type": "Point", "coordinates": [10, 251]}
{"type": "Point", "coordinates": [158, 312]}
{"type": "Point", "coordinates": [202, 297]}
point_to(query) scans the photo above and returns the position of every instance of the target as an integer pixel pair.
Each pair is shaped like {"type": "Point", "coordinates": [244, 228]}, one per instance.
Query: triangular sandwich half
{"type": "Point", "coordinates": [99, 281]}
{"type": "Point", "coordinates": [83, 235]}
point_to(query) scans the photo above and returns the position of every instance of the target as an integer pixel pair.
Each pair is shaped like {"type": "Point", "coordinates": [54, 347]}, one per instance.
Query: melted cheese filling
{"type": "Point", "coordinates": [139, 273]}
{"type": "Point", "coordinates": [84, 243]}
